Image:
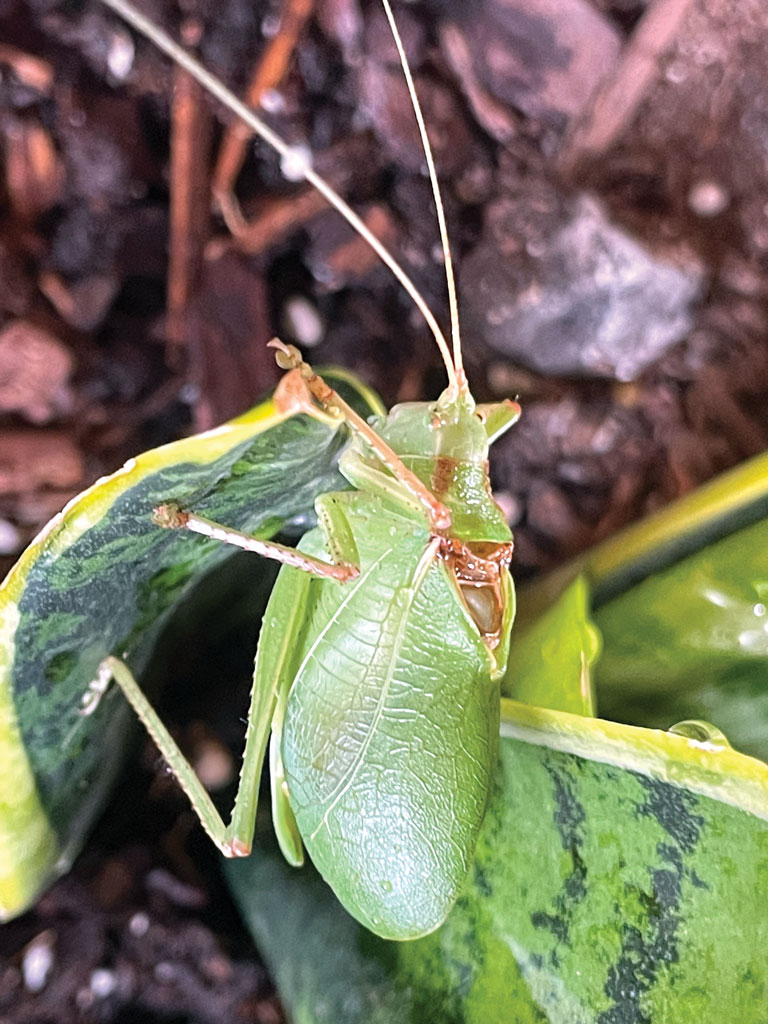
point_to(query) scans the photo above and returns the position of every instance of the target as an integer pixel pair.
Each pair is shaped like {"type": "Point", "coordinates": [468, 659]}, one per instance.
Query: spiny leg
{"type": "Point", "coordinates": [289, 358]}
{"type": "Point", "coordinates": [272, 675]}
{"type": "Point", "coordinates": [203, 806]}
{"type": "Point", "coordinates": [172, 517]}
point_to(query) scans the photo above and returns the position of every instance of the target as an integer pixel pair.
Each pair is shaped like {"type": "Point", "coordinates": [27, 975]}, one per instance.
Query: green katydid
{"type": "Point", "coordinates": [385, 637]}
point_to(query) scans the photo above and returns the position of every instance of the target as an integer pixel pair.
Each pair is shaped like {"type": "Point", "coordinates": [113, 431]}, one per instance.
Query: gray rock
{"type": "Point", "coordinates": [585, 300]}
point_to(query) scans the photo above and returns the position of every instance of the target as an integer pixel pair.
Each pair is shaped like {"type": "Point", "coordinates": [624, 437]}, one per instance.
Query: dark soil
{"type": "Point", "coordinates": [130, 315]}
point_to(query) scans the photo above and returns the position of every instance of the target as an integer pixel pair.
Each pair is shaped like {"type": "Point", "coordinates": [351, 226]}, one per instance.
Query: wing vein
{"type": "Point", "coordinates": [393, 643]}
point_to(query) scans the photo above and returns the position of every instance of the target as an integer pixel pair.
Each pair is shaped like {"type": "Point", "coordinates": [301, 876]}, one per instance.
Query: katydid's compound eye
{"type": "Point", "coordinates": [483, 607]}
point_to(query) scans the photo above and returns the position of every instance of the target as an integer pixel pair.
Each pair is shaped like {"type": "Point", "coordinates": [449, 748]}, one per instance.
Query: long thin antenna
{"type": "Point", "coordinates": [299, 163]}
{"type": "Point", "coordinates": [447, 258]}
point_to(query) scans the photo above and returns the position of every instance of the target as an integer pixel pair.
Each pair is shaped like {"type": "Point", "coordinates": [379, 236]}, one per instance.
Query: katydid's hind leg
{"type": "Point", "coordinates": [198, 796]}
{"type": "Point", "coordinates": [172, 517]}
{"type": "Point", "coordinates": [272, 677]}
{"type": "Point", "coordinates": [271, 673]}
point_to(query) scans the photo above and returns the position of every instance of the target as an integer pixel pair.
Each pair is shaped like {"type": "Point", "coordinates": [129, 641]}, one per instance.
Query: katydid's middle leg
{"type": "Point", "coordinates": [172, 517]}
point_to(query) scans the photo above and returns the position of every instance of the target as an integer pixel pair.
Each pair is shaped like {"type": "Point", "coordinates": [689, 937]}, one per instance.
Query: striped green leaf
{"type": "Point", "coordinates": [102, 578]}
{"type": "Point", "coordinates": [620, 877]}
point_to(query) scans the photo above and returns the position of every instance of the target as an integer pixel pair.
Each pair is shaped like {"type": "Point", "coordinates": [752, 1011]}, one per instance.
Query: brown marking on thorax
{"type": "Point", "coordinates": [442, 475]}
{"type": "Point", "coordinates": [477, 568]}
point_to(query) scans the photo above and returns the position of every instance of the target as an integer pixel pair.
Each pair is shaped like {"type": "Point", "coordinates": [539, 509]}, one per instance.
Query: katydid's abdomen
{"type": "Point", "coordinates": [391, 727]}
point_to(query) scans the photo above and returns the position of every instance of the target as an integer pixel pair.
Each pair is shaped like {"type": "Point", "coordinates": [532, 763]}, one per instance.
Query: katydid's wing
{"type": "Point", "coordinates": [102, 578]}
{"type": "Point", "coordinates": [391, 730]}
{"type": "Point", "coordinates": [619, 876]}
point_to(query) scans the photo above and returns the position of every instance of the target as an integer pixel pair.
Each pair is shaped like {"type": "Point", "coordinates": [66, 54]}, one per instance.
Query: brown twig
{"type": "Point", "coordinates": [619, 99]}
{"type": "Point", "coordinates": [189, 205]}
{"type": "Point", "coordinates": [278, 219]}
{"type": "Point", "coordinates": [267, 75]}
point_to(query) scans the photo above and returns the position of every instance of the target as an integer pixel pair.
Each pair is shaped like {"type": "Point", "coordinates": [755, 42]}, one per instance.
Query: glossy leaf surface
{"type": "Point", "coordinates": [681, 600]}
{"type": "Point", "coordinates": [617, 878]}
{"type": "Point", "coordinates": [551, 660]}
{"type": "Point", "coordinates": [697, 646]}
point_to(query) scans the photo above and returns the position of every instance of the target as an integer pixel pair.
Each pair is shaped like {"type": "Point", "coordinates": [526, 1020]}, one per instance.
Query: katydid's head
{"type": "Point", "coordinates": [457, 429]}
{"type": "Point", "coordinates": [446, 446]}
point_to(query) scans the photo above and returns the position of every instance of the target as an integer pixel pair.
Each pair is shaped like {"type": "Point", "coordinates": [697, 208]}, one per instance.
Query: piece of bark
{"type": "Point", "coordinates": [337, 255]}
{"type": "Point", "coordinates": [32, 460]}
{"type": "Point", "coordinates": [83, 303]}
{"type": "Point", "coordinates": [545, 58]}
{"type": "Point", "coordinates": [229, 327]}
{"type": "Point", "coordinates": [34, 372]}
{"type": "Point", "coordinates": [191, 129]}
{"type": "Point", "coordinates": [616, 104]}
{"type": "Point", "coordinates": [34, 176]}
{"type": "Point", "coordinates": [31, 72]}
{"type": "Point", "coordinates": [677, 136]}
{"type": "Point", "coordinates": [268, 75]}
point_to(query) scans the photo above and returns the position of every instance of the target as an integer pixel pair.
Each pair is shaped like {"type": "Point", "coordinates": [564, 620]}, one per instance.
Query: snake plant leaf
{"type": "Point", "coordinates": [681, 600]}
{"type": "Point", "coordinates": [698, 642]}
{"type": "Point", "coordinates": [619, 877]}
{"type": "Point", "coordinates": [551, 659]}
{"type": "Point", "coordinates": [102, 578]}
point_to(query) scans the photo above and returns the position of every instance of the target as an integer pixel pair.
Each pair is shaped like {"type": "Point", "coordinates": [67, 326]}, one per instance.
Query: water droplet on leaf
{"type": "Point", "coordinates": [701, 732]}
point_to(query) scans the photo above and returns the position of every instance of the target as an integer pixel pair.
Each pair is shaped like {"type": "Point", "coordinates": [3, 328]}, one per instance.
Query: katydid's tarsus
{"type": "Point", "coordinates": [384, 638]}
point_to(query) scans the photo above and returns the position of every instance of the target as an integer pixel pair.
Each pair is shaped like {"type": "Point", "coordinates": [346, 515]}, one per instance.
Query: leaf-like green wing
{"type": "Point", "coordinates": [102, 578]}
{"type": "Point", "coordinates": [620, 876]}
